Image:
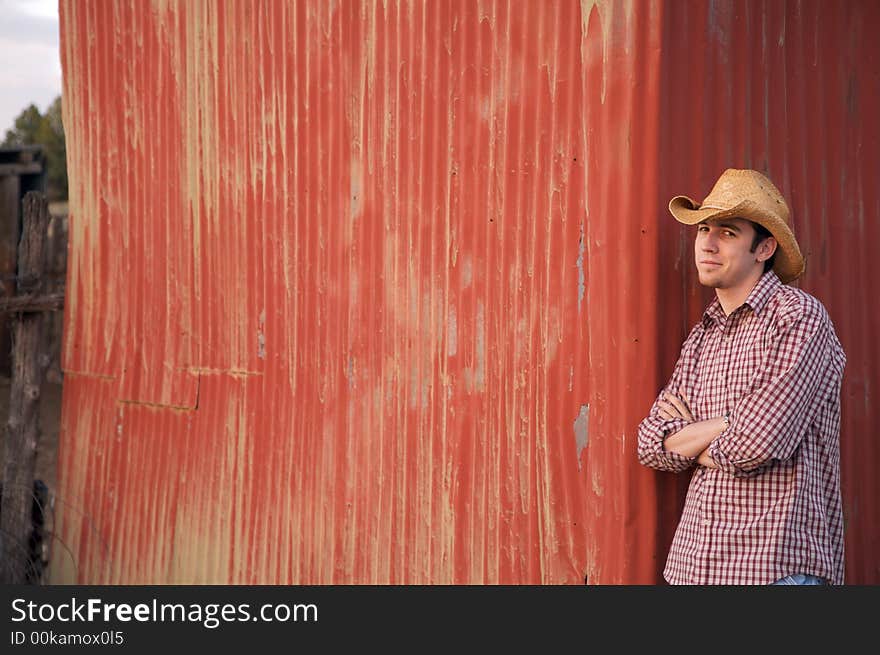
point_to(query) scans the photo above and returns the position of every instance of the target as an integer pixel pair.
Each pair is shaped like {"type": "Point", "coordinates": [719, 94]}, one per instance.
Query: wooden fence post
{"type": "Point", "coordinates": [22, 429]}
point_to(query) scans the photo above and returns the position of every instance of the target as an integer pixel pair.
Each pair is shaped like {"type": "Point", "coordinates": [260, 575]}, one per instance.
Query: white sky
{"type": "Point", "coordinates": [30, 65]}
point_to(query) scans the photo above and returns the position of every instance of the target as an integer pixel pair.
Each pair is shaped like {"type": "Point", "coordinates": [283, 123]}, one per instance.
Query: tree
{"type": "Point", "coordinates": [26, 129]}
{"type": "Point", "coordinates": [33, 128]}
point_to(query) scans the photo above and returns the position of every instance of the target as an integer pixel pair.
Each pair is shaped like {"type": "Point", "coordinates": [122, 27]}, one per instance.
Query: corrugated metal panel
{"type": "Point", "coordinates": [365, 292]}
{"type": "Point", "coordinates": [791, 89]}
{"type": "Point", "coordinates": [332, 275]}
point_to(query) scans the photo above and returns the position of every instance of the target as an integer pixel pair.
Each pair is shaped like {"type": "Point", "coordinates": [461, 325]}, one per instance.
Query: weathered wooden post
{"type": "Point", "coordinates": [22, 429]}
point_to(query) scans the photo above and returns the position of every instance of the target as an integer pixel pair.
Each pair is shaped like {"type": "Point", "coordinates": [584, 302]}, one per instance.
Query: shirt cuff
{"type": "Point", "coordinates": [717, 452]}
{"type": "Point", "coordinates": [676, 461]}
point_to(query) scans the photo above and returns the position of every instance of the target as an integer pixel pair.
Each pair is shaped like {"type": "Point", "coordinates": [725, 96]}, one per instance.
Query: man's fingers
{"type": "Point", "coordinates": [667, 411]}
{"type": "Point", "coordinates": [679, 406]}
{"type": "Point", "coordinates": [687, 405]}
{"type": "Point", "coordinates": [676, 403]}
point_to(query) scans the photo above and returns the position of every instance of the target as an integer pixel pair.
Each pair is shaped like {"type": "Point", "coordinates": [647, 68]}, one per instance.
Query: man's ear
{"type": "Point", "coordinates": [766, 249]}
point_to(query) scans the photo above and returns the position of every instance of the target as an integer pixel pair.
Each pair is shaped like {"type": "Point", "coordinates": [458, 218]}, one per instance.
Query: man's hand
{"type": "Point", "coordinates": [674, 407]}
{"type": "Point", "coordinates": [694, 438]}
{"type": "Point", "coordinates": [705, 460]}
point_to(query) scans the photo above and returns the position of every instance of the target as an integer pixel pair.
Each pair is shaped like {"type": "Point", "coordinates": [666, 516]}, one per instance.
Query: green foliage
{"type": "Point", "coordinates": [33, 128]}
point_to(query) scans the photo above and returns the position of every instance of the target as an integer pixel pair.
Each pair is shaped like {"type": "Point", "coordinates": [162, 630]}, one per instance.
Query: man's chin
{"type": "Point", "coordinates": [710, 281]}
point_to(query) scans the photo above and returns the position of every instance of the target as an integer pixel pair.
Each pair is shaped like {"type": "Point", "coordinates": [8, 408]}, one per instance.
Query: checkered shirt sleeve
{"type": "Point", "coordinates": [768, 423]}
{"type": "Point", "coordinates": [654, 429]}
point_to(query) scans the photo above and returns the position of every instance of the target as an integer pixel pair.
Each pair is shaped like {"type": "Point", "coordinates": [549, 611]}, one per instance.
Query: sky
{"type": "Point", "coordinates": [30, 65]}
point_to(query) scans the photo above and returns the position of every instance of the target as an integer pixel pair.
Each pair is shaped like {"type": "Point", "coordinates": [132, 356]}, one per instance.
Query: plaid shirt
{"type": "Point", "coordinates": [773, 506]}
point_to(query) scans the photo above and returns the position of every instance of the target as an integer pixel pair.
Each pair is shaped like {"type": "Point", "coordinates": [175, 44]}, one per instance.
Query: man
{"type": "Point", "coordinates": [753, 404]}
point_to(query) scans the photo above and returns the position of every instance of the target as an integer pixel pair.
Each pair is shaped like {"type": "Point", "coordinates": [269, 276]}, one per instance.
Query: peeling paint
{"type": "Point", "coordinates": [232, 372]}
{"type": "Point", "coordinates": [261, 337]}
{"type": "Point", "coordinates": [580, 267]}
{"type": "Point", "coordinates": [356, 189]}
{"type": "Point", "coordinates": [451, 333]}
{"type": "Point", "coordinates": [138, 403]}
{"type": "Point", "coordinates": [604, 14]}
{"type": "Point", "coordinates": [467, 274]}
{"type": "Point", "coordinates": [582, 432]}
{"type": "Point", "coordinates": [480, 372]}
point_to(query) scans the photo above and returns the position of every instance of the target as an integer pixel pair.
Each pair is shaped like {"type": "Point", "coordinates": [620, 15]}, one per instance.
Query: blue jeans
{"type": "Point", "coordinates": [799, 579]}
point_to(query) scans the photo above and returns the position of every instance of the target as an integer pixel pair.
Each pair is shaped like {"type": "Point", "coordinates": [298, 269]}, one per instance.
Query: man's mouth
{"type": "Point", "coordinates": [709, 262]}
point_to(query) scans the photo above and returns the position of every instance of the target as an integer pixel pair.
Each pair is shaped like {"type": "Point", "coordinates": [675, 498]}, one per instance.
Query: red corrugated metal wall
{"type": "Point", "coordinates": [368, 292]}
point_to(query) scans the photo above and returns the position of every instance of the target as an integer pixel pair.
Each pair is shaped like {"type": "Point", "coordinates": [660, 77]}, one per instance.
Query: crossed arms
{"type": "Point", "coordinates": [803, 364]}
{"type": "Point", "coordinates": [693, 439]}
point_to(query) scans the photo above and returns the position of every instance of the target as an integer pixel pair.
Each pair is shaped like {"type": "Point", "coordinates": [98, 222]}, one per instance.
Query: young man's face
{"type": "Point", "coordinates": [721, 252]}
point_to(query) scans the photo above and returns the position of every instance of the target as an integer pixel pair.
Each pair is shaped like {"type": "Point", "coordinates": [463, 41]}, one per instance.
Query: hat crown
{"type": "Point", "coordinates": [736, 186]}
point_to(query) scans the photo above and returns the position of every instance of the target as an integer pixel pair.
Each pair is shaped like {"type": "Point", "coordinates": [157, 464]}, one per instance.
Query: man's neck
{"type": "Point", "coordinates": [733, 298]}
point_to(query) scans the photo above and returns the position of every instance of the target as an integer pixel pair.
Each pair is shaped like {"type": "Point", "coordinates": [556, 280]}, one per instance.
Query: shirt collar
{"type": "Point", "coordinates": [713, 313]}
{"type": "Point", "coordinates": [758, 298]}
{"type": "Point", "coordinates": [763, 291]}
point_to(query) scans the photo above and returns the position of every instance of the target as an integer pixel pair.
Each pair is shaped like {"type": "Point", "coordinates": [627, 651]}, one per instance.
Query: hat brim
{"type": "Point", "coordinates": [789, 263]}
{"type": "Point", "coordinates": [686, 211]}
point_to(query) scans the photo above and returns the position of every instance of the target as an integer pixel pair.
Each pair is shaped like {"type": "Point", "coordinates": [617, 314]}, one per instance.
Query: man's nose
{"type": "Point", "coordinates": [709, 242]}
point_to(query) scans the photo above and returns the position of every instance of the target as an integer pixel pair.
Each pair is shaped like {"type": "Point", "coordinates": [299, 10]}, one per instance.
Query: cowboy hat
{"type": "Point", "coordinates": [749, 195]}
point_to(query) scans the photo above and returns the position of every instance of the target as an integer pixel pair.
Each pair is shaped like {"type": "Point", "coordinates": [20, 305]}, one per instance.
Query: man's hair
{"type": "Point", "coordinates": [762, 233]}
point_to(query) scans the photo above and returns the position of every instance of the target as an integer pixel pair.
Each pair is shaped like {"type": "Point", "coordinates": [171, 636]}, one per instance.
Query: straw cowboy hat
{"type": "Point", "coordinates": [748, 194]}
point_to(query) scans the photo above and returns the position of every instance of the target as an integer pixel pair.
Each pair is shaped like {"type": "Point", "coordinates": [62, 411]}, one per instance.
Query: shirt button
{"type": "Point", "coordinates": [706, 522]}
